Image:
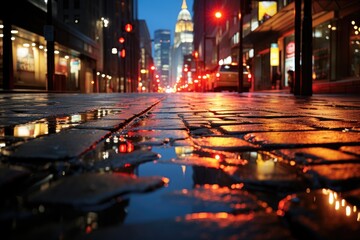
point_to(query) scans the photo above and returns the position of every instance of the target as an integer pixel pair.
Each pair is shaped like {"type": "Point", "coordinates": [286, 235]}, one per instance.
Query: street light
{"type": "Point", "coordinates": [218, 16]}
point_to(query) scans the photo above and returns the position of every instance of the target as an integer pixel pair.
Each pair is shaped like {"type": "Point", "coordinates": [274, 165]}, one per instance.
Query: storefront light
{"type": "Point", "coordinates": [26, 45]}
{"type": "Point", "coordinates": [12, 38]}
{"type": "Point", "coordinates": [353, 22]}
{"type": "Point", "coordinates": [66, 57]}
{"type": "Point", "coordinates": [33, 44]}
{"type": "Point", "coordinates": [22, 52]}
{"type": "Point", "coordinates": [56, 52]}
{"type": "Point", "coordinates": [41, 46]}
{"type": "Point", "coordinates": [14, 31]}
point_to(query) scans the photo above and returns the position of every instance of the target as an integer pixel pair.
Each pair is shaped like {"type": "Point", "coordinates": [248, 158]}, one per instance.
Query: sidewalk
{"type": "Point", "coordinates": [258, 165]}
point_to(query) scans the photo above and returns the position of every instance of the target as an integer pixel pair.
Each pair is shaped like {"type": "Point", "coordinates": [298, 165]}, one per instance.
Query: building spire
{"type": "Point", "coordinates": [184, 6]}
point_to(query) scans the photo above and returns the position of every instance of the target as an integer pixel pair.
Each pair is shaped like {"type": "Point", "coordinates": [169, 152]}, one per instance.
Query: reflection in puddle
{"type": "Point", "coordinates": [50, 125]}
{"type": "Point", "coordinates": [155, 204]}
{"type": "Point", "coordinates": [265, 167]}
{"type": "Point", "coordinates": [341, 205]}
{"type": "Point", "coordinates": [321, 209]}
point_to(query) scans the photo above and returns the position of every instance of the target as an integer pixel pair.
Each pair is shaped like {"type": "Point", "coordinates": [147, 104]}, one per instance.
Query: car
{"type": "Point", "coordinates": [225, 78]}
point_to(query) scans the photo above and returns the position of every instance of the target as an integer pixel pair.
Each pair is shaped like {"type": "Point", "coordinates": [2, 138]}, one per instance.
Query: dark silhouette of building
{"type": "Point", "coordinates": [85, 38]}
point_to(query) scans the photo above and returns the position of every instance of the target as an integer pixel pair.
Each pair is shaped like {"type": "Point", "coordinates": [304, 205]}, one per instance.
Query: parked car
{"type": "Point", "coordinates": [225, 78]}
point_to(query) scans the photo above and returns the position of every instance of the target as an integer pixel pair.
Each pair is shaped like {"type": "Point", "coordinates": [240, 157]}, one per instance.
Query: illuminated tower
{"type": "Point", "coordinates": [183, 42]}
{"type": "Point", "coordinates": [162, 55]}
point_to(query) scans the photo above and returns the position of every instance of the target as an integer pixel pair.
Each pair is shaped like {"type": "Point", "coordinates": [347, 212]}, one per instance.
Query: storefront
{"type": "Point", "coordinates": [335, 45]}
{"type": "Point", "coordinates": [354, 44]}
{"type": "Point", "coordinates": [30, 62]}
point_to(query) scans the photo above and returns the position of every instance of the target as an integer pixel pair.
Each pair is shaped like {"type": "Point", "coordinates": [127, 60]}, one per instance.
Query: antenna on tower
{"type": "Point", "coordinates": [184, 6]}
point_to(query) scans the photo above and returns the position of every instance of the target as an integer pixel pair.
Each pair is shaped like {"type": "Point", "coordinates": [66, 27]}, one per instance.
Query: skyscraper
{"type": "Point", "coordinates": [162, 55]}
{"type": "Point", "coordinates": [183, 42]}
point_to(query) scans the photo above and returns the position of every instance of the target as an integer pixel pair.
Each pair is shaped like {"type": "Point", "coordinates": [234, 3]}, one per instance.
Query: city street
{"type": "Point", "coordinates": [256, 165]}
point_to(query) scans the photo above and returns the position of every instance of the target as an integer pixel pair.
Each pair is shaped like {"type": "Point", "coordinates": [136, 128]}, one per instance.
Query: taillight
{"type": "Point", "coordinates": [217, 75]}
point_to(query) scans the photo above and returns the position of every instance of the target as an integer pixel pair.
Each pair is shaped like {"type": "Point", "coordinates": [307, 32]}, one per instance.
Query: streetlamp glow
{"type": "Point", "coordinates": [218, 14]}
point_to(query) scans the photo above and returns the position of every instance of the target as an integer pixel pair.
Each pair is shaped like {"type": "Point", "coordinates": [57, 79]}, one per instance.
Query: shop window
{"type": "Point", "coordinates": [321, 50]}
{"type": "Point", "coordinates": [355, 47]}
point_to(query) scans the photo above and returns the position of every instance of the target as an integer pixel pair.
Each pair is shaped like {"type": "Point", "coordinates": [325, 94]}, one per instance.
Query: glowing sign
{"type": "Point", "coordinates": [267, 9]}
{"type": "Point", "coordinates": [274, 54]}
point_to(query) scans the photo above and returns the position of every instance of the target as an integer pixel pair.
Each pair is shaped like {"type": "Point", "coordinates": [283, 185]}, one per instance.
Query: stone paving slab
{"type": "Point", "coordinates": [110, 125]}
{"type": "Point", "coordinates": [269, 127]}
{"type": "Point", "coordinates": [316, 155]}
{"type": "Point", "coordinates": [63, 146]}
{"type": "Point", "coordinates": [185, 165]}
{"type": "Point", "coordinates": [308, 138]}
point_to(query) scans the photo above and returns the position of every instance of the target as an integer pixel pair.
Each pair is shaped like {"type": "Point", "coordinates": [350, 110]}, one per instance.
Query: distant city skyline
{"type": "Point", "coordinates": [160, 14]}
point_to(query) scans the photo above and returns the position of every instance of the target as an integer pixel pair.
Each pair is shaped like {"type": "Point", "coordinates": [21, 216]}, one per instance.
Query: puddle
{"type": "Point", "coordinates": [200, 181]}
{"type": "Point", "coordinates": [321, 209]}
{"type": "Point", "coordinates": [49, 125]}
{"type": "Point", "coordinates": [155, 205]}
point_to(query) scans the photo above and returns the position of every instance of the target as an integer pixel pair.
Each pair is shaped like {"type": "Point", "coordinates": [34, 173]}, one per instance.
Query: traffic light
{"type": "Point", "coordinates": [218, 14]}
{"type": "Point", "coordinates": [123, 53]}
{"type": "Point", "coordinates": [128, 27]}
{"type": "Point", "coordinates": [196, 54]}
{"type": "Point", "coordinates": [121, 40]}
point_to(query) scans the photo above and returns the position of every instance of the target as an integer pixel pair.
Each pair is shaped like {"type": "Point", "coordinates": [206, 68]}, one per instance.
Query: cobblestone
{"type": "Point", "coordinates": [180, 166]}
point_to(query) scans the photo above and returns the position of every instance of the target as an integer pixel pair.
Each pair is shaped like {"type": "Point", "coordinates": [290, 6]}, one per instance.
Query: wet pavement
{"type": "Point", "coordinates": [179, 166]}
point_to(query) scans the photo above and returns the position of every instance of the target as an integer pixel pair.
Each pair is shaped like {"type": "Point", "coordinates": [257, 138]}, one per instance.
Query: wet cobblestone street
{"type": "Point", "coordinates": [179, 166]}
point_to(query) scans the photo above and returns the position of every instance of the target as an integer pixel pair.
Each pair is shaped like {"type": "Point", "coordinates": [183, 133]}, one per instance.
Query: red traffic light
{"type": "Point", "coordinates": [123, 53]}
{"type": "Point", "coordinates": [128, 27]}
{"type": "Point", "coordinates": [121, 39]}
{"type": "Point", "coordinates": [218, 14]}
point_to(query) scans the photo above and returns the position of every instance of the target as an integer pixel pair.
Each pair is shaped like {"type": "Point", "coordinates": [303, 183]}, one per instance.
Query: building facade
{"type": "Point", "coordinates": [269, 42]}
{"type": "Point", "coordinates": [146, 66]}
{"type": "Point", "coordinates": [162, 44]}
{"type": "Point", "coordinates": [183, 43]}
{"type": "Point", "coordinates": [85, 38]}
